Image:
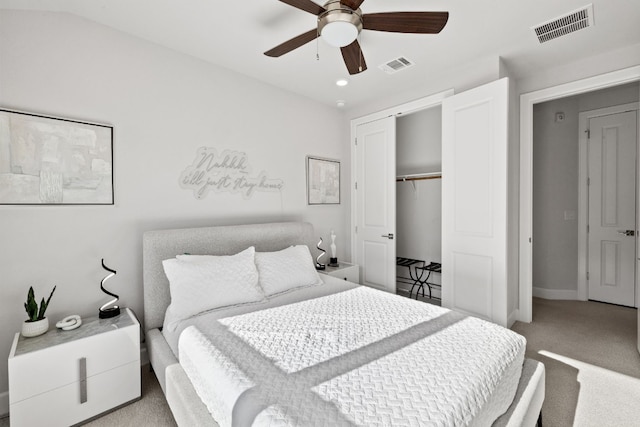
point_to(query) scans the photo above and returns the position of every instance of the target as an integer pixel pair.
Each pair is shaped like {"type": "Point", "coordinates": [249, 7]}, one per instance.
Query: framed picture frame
{"type": "Point", "coordinates": [323, 181]}
{"type": "Point", "coordinates": [48, 160]}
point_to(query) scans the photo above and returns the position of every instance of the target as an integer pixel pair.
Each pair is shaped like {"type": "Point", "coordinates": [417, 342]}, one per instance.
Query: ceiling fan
{"type": "Point", "coordinates": [340, 23]}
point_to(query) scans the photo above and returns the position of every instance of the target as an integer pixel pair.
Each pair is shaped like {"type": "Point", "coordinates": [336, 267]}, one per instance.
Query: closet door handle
{"type": "Point", "coordinates": [388, 236]}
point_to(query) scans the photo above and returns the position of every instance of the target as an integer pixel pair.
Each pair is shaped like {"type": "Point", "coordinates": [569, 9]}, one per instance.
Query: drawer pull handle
{"type": "Point", "coordinates": [83, 379]}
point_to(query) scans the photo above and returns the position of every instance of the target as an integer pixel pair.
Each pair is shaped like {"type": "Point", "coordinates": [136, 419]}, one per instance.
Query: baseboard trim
{"type": "Point", "coordinates": [4, 404]}
{"type": "Point", "coordinates": [560, 294]}
{"type": "Point", "coordinates": [513, 316]}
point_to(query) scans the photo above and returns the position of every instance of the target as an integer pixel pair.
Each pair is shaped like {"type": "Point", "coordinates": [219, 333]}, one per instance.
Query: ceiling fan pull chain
{"type": "Point", "coordinates": [317, 45]}
{"type": "Point", "coordinates": [360, 52]}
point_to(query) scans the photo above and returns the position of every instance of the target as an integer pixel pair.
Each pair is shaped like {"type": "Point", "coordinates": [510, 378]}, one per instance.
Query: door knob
{"type": "Point", "coordinates": [388, 236]}
{"type": "Point", "coordinates": [627, 232]}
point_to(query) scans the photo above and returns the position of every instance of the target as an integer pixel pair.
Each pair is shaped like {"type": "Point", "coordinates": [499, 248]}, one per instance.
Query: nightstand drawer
{"type": "Point", "coordinates": [345, 271]}
{"type": "Point", "coordinates": [349, 274]}
{"type": "Point", "coordinates": [62, 407]}
{"type": "Point", "coordinates": [44, 370]}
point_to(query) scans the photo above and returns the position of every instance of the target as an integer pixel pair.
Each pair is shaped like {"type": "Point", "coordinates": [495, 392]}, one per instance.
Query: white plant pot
{"type": "Point", "coordinates": [33, 329]}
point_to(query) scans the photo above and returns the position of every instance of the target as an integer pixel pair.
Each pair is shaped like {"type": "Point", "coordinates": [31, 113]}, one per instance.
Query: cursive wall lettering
{"type": "Point", "coordinates": [228, 171]}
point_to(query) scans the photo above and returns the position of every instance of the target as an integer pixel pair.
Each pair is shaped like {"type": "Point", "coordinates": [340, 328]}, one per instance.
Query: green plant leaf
{"type": "Point", "coordinates": [44, 305]}
{"type": "Point", "coordinates": [31, 306]}
{"type": "Point", "coordinates": [43, 308]}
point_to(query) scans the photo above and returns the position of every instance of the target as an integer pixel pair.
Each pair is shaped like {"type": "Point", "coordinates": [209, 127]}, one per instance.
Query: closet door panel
{"type": "Point", "coordinates": [376, 203]}
{"type": "Point", "coordinates": [474, 201]}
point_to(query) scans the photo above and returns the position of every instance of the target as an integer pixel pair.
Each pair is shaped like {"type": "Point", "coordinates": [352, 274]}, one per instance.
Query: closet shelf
{"type": "Point", "coordinates": [419, 176]}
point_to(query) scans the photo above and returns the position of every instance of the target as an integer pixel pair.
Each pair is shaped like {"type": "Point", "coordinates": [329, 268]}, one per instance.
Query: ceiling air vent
{"type": "Point", "coordinates": [558, 27]}
{"type": "Point", "coordinates": [396, 65]}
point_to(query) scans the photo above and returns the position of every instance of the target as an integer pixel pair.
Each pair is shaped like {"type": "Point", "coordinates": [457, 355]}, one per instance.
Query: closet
{"type": "Point", "coordinates": [418, 200]}
{"type": "Point", "coordinates": [477, 245]}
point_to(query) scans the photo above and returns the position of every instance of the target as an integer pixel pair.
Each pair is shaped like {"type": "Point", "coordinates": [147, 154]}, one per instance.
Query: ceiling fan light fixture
{"type": "Point", "coordinates": [339, 25]}
{"type": "Point", "coordinates": [339, 33]}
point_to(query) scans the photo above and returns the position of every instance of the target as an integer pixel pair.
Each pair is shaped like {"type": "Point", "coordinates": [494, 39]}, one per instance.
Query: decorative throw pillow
{"type": "Point", "coordinates": [289, 268]}
{"type": "Point", "coordinates": [212, 282]}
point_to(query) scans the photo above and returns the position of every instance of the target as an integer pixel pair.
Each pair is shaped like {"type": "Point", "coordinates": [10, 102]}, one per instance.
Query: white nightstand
{"type": "Point", "coordinates": [346, 271]}
{"type": "Point", "coordinates": [64, 377]}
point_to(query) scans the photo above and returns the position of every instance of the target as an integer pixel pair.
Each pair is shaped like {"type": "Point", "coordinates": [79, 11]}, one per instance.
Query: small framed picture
{"type": "Point", "coordinates": [323, 181]}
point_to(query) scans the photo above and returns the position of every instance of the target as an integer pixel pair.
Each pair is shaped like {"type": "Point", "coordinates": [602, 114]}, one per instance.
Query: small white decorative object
{"type": "Point", "coordinates": [69, 323]}
{"type": "Point", "coordinates": [333, 244]}
{"type": "Point", "coordinates": [333, 261]}
{"type": "Point", "coordinates": [33, 329]}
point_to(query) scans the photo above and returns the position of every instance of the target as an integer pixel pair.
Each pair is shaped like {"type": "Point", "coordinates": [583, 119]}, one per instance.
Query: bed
{"type": "Point", "coordinates": [325, 369]}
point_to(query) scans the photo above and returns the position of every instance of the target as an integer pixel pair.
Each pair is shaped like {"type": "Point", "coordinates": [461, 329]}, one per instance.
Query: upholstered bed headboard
{"type": "Point", "coordinates": [221, 240]}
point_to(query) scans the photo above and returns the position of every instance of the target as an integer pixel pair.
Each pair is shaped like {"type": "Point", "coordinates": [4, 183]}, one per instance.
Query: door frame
{"type": "Point", "coordinates": [406, 108]}
{"type": "Point", "coordinates": [583, 199]}
{"type": "Point", "coordinates": [527, 101]}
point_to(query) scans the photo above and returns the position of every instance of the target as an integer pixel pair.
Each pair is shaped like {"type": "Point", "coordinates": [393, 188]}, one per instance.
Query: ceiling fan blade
{"type": "Point", "coordinates": [406, 22]}
{"type": "Point", "coordinates": [306, 5]}
{"type": "Point", "coordinates": [353, 58]}
{"type": "Point", "coordinates": [353, 4]}
{"type": "Point", "coordinates": [293, 43]}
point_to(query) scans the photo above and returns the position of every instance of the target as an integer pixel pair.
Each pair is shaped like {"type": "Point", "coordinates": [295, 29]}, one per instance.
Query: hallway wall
{"type": "Point", "coordinates": [555, 188]}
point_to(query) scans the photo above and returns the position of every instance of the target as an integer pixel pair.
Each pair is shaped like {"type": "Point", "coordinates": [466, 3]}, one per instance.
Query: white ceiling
{"type": "Point", "coordinates": [234, 34]}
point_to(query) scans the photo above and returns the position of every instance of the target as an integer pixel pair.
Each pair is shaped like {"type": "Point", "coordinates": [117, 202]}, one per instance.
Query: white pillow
{"type": "Point", "coordinates": [212, 282]}
{"type": "Point", "coordinates": [289, 268]}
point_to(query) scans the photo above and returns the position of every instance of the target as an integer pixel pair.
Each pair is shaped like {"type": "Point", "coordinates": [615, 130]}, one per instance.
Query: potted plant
{"type": "Point", "coordinates": [36, 324]}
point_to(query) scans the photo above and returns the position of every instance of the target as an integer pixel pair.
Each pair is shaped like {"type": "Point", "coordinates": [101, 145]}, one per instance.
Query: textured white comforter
{"type": "Point", "coordinates": [358, 357]}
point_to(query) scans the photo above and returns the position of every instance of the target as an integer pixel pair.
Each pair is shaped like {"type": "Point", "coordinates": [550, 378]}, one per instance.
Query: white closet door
{"type": "Point", "coordinates": [474, 201]}
{"type": "Point", "coordinates": [376, 203]}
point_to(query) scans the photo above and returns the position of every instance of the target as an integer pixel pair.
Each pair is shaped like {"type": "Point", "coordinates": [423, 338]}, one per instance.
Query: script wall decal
{"type": "Point", "coordinates": [228, 171]}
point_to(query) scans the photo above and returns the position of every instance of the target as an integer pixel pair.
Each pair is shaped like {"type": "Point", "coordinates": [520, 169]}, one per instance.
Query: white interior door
{"type": "Point", "coordinates": [612, 208]}
{"type": "Point", "coordinates": [474, 201]}
{"type": "Point", "coordinates": [376, 203]}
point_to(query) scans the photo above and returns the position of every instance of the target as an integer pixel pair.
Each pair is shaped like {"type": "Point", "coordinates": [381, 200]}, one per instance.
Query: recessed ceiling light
{"type": "Point", "coordinates": [342, 82]}
{"type": "Point", "coordinates": [340, 103]}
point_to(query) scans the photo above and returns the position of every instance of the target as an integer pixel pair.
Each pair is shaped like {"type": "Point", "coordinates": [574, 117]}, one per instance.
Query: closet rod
{"type": "Point", "coordinates": [418, 177]}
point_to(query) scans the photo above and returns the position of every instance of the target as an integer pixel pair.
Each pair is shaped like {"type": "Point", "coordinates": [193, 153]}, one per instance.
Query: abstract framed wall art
{"type": "Point", "coordinates": [52, 161]}
{"type": "Point", "coordinates": [323, 181]}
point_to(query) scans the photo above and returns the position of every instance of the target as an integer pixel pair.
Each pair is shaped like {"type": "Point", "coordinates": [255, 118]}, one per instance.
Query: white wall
{"type": "Point", "coordinates": [419, 142]}
{"type": "Point", "coordinates": [613, 60]}
{"type": "Point", "coordinates": [419, 209]}
{"type": "Point", "coordinates": [555, 190]}
{"type": "Point", "coordinates": [555, 187]}
{"type": "Point", "coordinates": [163, 106]}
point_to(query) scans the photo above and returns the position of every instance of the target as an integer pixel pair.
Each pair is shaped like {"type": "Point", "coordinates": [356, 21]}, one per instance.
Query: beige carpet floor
{"type": "Point", "coordinates": [150, 410]}
{"type": "Point", "coordinates": [591, 360]}
{"type": "Point", "coordinates": [588, 348]}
